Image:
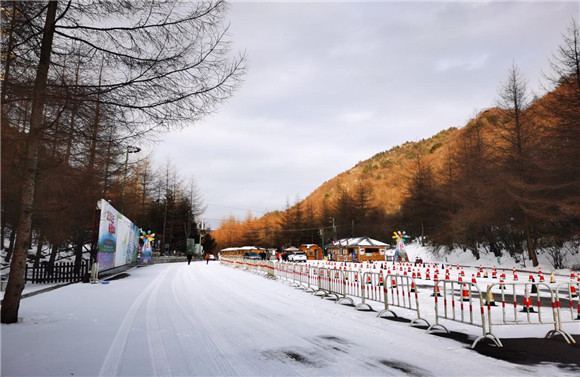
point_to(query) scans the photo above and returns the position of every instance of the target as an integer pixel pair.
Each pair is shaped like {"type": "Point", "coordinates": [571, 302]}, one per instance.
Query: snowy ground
{"type": "Point", "coordinates": [212, 320]}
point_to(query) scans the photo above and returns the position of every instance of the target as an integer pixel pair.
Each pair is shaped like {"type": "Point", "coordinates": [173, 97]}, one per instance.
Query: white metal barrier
{"type": "Point", "coordinates": [401, 291]}
{"type": "Point", "coordinates": [568, 292]}
{"type": "Point", "coordinates": [371, 289]}
{"type": "Point", "coordinates": [457, 305]}
{"type": "Point", "coordinates": [461, 301]}
{"type": "Point", "coordinates": [335, 286]}
{"type": "Point", "coordinates": [546, 314]}
{"type": "Point", "coordinates": [311, 279]}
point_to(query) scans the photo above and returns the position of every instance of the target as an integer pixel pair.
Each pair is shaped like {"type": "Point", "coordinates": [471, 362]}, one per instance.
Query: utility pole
{"type": "Point", "coordinates": [333, 228]}
{"type": "Point", "coordinates": [130, 149]}
{"type": "Point", "coordinates": [322, 237]}
{"type": "Point", "coordinates": [201, 229]}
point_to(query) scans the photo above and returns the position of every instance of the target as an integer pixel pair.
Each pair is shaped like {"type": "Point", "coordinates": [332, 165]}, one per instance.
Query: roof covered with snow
{"type": "Point", "coordinates": [357, 241]}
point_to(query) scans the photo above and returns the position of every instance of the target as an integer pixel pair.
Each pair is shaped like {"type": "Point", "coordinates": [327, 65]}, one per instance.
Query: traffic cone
{"type": "Point", "coordinates": [572, 275]}
{"type": "Point", "coordinates": [534, 287]}
{"type": "Point", "coordinates": [465, 296]}
{"type": "Point", "coordinates": [541, 277]}
{"type": "Point", "coordinates": [356, 277]}
{"type": "Point", "coordinates": [419, 274]}
{"type": "Point", "coordinates": [394, 283]}
{"type": "Point", "coordinates": [462, 273]}
{"type": "Point", "coordinates": [459, 279]}
{"type": "Point", "coordinates": [528, 308]}
{"type": "Point", "coordinates": [573, 293]}
{"type": "Point", "coordinates": [531, 278]}
{"type": "Point", "coordinates": [552, 278]}
{"type": "Point", "coordinates": [489, 299]}
{"type": "Point", "coordinates": [381, 278]}
{"type": "Point", "coordinates": [427, 275]}
{"type": "Point", "coordinates": [478, 274]}
{"type": "Point", "coordinates": [515, 276]}
{"type": "Point", "coordinates": [485, 274]}
{"type": "Point", "coordinates": [369, 279]}
{"type": "Point", "coordinates": [494, 274]}
{"type": "Point", "coordinates": [413, 289]}
{"type": "Point", "coordinates": [436, 291]}
{"type": "Point", "coordinates": [501, 285]}
{"type": "Point", "coordinates": [473, 279]}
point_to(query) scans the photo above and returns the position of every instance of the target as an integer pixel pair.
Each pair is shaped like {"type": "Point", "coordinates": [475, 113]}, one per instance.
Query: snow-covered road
{"type": "Point", "coordinates": [211, 320]}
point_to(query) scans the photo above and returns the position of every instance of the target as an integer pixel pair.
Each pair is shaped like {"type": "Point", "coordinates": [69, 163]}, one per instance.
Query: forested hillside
{"type": "Point", "coordinates": [507, 181]}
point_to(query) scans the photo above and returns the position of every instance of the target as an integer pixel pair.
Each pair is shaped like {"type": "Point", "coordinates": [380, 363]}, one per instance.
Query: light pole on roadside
{"type": "Point", "coordinates": [129, 149]}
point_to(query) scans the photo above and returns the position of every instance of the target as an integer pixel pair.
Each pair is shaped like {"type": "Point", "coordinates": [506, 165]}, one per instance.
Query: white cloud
{"type": "Point", "coordinates": [470, 63]}
{"type": "Point", "coordinates": [368, 75]}
{"type": "Point", "coordinates": [355, 116]}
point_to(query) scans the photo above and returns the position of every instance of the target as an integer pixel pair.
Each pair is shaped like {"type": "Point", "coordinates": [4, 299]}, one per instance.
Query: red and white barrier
{"type": "Point", "coordinates": [459, 300]}
{"type": "Point", "coordinates": [522, 294]}
{"type": "Point", "coordinates": [401, 292]}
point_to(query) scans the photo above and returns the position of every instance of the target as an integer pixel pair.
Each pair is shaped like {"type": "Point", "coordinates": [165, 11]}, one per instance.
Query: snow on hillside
{"type": "Point", "coordinates": [466, 258]}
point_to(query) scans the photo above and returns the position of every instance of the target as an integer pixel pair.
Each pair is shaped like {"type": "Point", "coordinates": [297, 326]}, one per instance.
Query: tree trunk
{"type": "Point", "coordinates": [2, 232]}
{"type": "Point", "coordinates": [78, 256]}
{"type": "Point", "coordinates": [531, 246]}
{"type": "Point", "coordinates": [13, 294]}
{"type": "Point", "coordinates": [10, 245]}
{"type": "Point", "coordinates": [53, 252]}
{"type": "Point", "coordinates": [39, 250]}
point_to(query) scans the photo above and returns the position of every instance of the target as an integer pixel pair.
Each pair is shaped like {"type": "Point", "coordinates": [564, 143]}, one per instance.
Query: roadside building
{"type": "Point", "coordinates": [313, 251]}
{"type": "Point", "coordinates": [359, 249]}
{"type": "Point", "coordinates": [238, 252]}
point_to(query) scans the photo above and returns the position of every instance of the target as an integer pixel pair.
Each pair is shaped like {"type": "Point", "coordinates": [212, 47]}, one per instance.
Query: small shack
{"type": "Point", "coordinates": [313, 251]}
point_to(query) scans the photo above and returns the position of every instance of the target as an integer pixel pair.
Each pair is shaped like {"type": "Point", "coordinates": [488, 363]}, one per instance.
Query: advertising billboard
{"type": "Point", "coordinates": [118, 238]}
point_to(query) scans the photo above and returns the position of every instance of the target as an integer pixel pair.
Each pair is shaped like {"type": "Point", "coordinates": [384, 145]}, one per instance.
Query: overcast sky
{"type": "Point", "coordinates": [330, 84]}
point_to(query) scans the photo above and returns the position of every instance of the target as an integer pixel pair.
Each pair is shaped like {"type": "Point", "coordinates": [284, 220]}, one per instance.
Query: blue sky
{"type": "Point", "coordinates": [330, 84]}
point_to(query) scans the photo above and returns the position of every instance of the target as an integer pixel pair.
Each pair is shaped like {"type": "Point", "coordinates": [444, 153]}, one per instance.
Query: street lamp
{"type": "Point", "coordinates": [129, 149]}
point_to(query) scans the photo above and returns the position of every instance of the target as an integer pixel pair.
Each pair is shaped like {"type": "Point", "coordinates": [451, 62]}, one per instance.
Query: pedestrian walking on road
{"type": "Point", "coordinates": [189, 256]}
{"type": "Point", "coordinates": [207, 258]}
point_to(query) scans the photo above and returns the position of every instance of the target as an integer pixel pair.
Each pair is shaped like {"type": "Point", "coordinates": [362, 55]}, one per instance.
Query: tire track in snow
{"type": "Point", "coordinates": [114, 359]}
{"type": "Point", "coordinates": [157, 351]}
{"type": "Point", "coordinates": [213, 351]}
{"type": "Point", "coordinates": [321, 349]}
{"type": "Point", "coordinates": [250, 331]}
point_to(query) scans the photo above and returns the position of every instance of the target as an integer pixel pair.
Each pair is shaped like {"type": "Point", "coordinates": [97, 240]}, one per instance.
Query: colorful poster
{"type": "Point", "coordinates": [118, 238]}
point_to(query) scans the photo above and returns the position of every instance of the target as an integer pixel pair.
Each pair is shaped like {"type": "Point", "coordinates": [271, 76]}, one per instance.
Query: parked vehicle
{"type": "Point", "coordinates": [297, 256]}
{"type": "Point", "coordinates": [251, 255]}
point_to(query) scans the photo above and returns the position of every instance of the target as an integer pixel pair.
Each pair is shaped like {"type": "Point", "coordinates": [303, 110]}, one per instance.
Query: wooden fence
{"type": "Point", "coordinates": [59, 273]}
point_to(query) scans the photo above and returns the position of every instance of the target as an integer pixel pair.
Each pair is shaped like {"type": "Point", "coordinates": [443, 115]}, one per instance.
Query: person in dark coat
{"type": "Point", "coordinates": [189, 256]}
